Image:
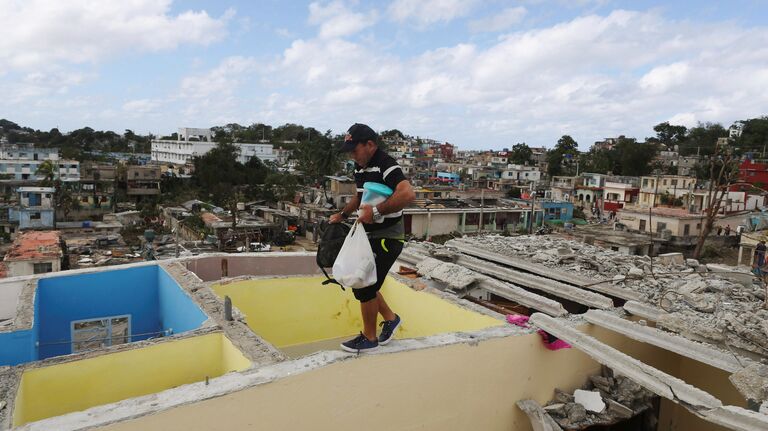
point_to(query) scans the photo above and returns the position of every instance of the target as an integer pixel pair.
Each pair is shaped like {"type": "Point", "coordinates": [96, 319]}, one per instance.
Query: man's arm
{"type": "Point", "coordinates": [402, 196]}
{"type": "Point", "coordinates": [348, 209]}
{"type": "Point", "coordinates": [400, 199]}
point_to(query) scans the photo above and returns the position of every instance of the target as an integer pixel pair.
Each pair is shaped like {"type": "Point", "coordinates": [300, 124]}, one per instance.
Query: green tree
{"type": "Point", "coordinates": [318, 157]}
{"type": "Point", "coordinates": [702, 139]}
{"type": "Point", "coordinates": [521, 154]}
{"type": "Point", "coordinates": [566, 150]}
{"type": "Point", "coordinates": [47, 170]}
{"type": "Point", "coordinates": [218, 172]}
{"type": "Point", "coordinates": [754, 136]}
{"type": "Point", "coordinates": [634, 158]}
{"type": "Point", "coordinates": [670, 135]}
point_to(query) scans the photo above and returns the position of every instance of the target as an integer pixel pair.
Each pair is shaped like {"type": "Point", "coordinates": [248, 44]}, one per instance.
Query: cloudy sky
{"type": "Point", "coordinates": [476, 73]}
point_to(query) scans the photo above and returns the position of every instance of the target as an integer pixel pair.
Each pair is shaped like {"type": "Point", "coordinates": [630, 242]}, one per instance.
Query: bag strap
{"type": "Point", "coordinates": [330, 280]}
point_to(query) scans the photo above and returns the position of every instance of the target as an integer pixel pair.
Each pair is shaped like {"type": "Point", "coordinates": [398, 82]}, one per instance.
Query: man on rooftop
{"type": "Point", "coordinates": [384, 225]}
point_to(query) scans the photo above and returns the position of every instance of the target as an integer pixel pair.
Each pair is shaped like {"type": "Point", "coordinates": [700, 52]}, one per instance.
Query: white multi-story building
{"type": "Point", "coordinates": [182, 151]}
{"type": "Point", "coordinates": [21, 162]}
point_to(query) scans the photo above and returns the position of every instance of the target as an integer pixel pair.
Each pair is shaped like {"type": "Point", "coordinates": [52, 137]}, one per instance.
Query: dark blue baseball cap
{"type": "Point", "coordinates": [358, 133]}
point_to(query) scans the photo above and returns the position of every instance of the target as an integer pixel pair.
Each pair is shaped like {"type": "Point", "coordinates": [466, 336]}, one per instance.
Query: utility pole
{"type": "Point", "coordinates": [482, 205]}
{"type": "Point", "coordinates": [533, 209]}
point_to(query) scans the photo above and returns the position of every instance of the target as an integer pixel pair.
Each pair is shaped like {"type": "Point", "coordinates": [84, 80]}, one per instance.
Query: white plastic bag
{"type": "Point", "coordinates": [355, 266]}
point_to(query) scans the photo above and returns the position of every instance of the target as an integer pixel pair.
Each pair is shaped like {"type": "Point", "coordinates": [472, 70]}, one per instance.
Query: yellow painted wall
{"type": "Point", "coordinates": [63, 388]}
{"type": "Point", "coordinates": [458, 387]}
{"type": "Point", "coordinates": [294, 311]}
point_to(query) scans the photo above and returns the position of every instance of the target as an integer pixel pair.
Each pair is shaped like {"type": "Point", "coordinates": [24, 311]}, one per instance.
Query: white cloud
{"type": "Point", "coordinates": [663, 78]}
{"type": "Point", "coordinates": [141, 107]}
{"type": "Point", "coordinates": [220, 81]}
{"type": "Point", "coordinates": [42, 32]}
{"type": "Point", "coordinates": [593, 76]}
{"type": "Point", "coordinates": [336, 20]}
{"type": "Point", "coordinates": [500, 21]}
{"type": "Point", "coordinates": [426, 12]}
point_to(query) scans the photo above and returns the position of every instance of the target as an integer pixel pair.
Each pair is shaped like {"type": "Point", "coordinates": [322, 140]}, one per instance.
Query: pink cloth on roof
{"type": "Point", "coordinates": [520, 320]}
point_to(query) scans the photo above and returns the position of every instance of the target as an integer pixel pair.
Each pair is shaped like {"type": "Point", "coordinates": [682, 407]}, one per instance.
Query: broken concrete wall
{"type": "Point", "coordinates": [210, 268]}
{"type": "Point", "coordinates": [9, 296]}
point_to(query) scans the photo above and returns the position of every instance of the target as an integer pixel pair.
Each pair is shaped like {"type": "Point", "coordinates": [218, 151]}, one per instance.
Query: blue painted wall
{"type": "Point", "coordinates": [148, 294]}
{"type": "Point", "coordinates": [551, 210]}
{"type": "Point", "coordinates": [178, 313]}
{"type": "Point", "coordinates": [17, 347]}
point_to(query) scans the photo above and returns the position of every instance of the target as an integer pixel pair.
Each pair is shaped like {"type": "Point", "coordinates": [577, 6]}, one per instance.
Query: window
{"type": "Point", "coordinates": [686, 230]}
{"type": "Point", "coordinates": [103, 332]}
{"type": "Point", "coordinates": [43, 267]}
{"type": "Point", "coordinates": [660, 226]}
{"type": "Point", "coordinates": [34, 216]}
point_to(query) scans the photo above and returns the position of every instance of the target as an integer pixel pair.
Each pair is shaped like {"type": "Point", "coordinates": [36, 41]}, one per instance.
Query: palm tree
{"type": "Point", "coordinates": [47, 170]}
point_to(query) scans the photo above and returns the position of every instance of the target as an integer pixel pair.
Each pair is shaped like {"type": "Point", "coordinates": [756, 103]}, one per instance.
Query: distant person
{"type": "Point", "coordinates": [758, 259]}
{"type": "Point", "coordinates": [727, 230]}
{"type": "Point", "coordinates": [719, 230]}
{"type": "Point", "coordinates": [384, 225]}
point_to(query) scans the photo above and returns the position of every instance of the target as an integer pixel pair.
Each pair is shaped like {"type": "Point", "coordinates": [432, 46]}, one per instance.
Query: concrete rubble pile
{"type": "Point", "coordinates": [605, 400]}
{"type": "Point", "coordinates": [712, 303]}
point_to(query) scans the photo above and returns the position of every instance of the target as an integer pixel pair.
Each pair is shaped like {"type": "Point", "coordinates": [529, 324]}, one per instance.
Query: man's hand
{"type": "Point", "coordinates": [336, 218]}
{"type": "Point", "coordinates": [365, 214]}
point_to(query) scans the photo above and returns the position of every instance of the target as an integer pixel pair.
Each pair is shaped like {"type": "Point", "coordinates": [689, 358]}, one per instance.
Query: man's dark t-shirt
{"type": "Point", "coordinates": [383, 169]}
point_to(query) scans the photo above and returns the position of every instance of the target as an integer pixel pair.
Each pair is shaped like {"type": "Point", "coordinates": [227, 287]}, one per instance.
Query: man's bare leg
{"type": "Point", "coordinates": [384, 310]}
{"type": "Point", "coordinates": [369, 310]}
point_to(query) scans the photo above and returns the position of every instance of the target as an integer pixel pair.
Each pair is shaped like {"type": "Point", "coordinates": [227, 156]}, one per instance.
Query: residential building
{"type": "Point", "coordinates": [35, 208]}
{"type": "Point", "coordinates": [521, 173]}
{"type": "Point", "coordinates": [679, 222]}
{"type": "Point", "coordinates": [555, 210]}
{"type": "Point", "coordinates": [425, 222]}
{"type": "Point", "coordinates": [590, 190]}
{"type": "Point", "coordinates": [340, 190]}
{"type": "Point", "coordinates": [95, 192]}
{"type": "Point", "coordinates": [652, 188]}
{"type": "Point", "coordinates": [562, 188]}
{"type": "Point", "coordinates": [183, 150]}
{"type": "Point", "coordinates": [616, 195]}
{"type": "Point", "coordinates": [605, 144]}
{"type": "Point", "coordinates": [20, 162]}
{"type": "Point", "coordinates": [142, 181]}
{"type": "Point", "coordinates": [283, 157]}
{"type": "Point", "coordinates": [753, 172]}
{"type": "Point", "coordinates": [34, 252]}
{"type": "Point", "coordinates": [448, 178]}
{"type": "Point", "coordinates": [686, 165]}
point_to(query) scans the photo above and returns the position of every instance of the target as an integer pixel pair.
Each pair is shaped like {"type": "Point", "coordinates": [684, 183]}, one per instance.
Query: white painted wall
{"type": "Point", "coordinates": [9, 298]}
{"type": "Point", "coordinates": [27, 267]}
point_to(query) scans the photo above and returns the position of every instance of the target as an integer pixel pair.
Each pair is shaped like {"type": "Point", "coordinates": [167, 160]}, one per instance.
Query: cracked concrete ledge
{"type": "Point", "coordinates": [674, 343]}
{"type": "Point", "coordinates": [540, 419]}
{"type": "Point", "coordinates": [605, 288]}
{"type": "Point", "coordinates": [646, 311]}
{"type": "Point", "coordinates": [506, 290]}
{"type": "Point", "coordinates": [232, 382]}
{"type": "Point", "coordinates": [698, 402]}
{"type": "Point", "coordinates": [736, 418]}
{"type": "Point", "coordinates": [525, 280]}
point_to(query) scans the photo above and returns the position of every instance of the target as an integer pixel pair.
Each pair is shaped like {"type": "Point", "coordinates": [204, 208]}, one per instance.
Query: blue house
{"type": "Point", "coordinates": [557, 210]}
{"type": "Point", "coordinates": [448, 178]}
{"type": "Point", "coordinates": [35, 208]}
